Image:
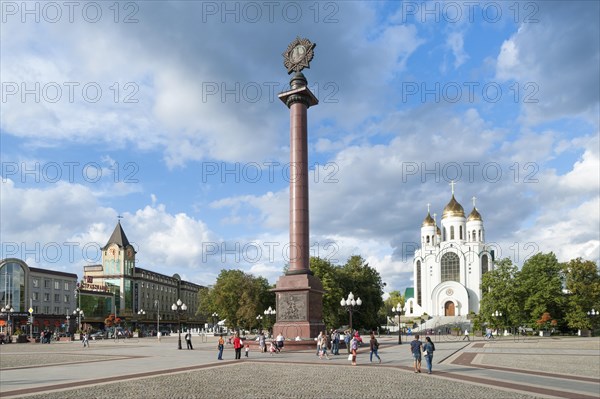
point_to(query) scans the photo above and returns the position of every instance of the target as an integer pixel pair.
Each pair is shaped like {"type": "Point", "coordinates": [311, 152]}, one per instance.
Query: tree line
{"type": "Point", "coordinates": [544, 293]}
{"type": "Point", "coordinates": [240, 298]}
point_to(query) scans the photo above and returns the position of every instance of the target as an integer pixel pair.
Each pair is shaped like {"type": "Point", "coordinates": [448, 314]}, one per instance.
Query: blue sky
{"type": "Point", "coordinates": [166, 113]}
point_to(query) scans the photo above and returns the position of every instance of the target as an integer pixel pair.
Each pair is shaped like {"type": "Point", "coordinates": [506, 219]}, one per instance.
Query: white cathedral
{"type": "Point", "coordinates": [448, 267]}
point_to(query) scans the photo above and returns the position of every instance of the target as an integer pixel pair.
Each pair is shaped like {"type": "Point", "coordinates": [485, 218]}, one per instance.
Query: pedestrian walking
{"type": "Point", "coordinates": [415, 350]}
{"type": "Point", "coordinates": [280, 341]}
{"type": "Point", "coordinates": [335, 342]}
{"type": "Point", "coordinates": [246, 350]}
{"type": "Point", "coordinates": [374, 344]}
{"type": "Point", "coordinates": [323, 346]}
{"type": "Point", "coordinates": [347, 339]}
{"type": "Point", "coordinates": [261, 342]}
{"type": "Point", "coordinates": [86, 339]}
{"type": "Point", "coordinates": [319, 340]}
{"type": "Point", "coordinates": [428, 348]}
{"type": "Point", "coordinates": [188, 340]}
{"type": "Point", "coordinates": [466, 335]}
{"type": "Point", "coordinates": [237, 345]}
{"type": "Point", "coordinates": [220, 347]}
{"type": "Point", "coordinates": [354, 348]}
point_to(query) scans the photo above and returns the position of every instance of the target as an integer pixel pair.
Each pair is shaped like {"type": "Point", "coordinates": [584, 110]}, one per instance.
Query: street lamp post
{"type": "Point", "coordinates": [259, 320]}
{"type": "Point", "coordinates": [350, 305]}
{"type": "Point", "coordinates": [8, 310]}
{"type": "Point", "coordinates": [179, 308]}
{"type": "Point", "coordinates": [79, 314]}
{"type": "Point", "coordinates": [398, 311]}
{"type": "Point", "coordinates": [270, 312]}
{"type": "Point", "coordinates": [215, 316]}
{"type": "Point", "coordinates": [141, 313]}
{"type": "Point", "coordinates": [157, 304]}
{"type": "Point", "coordinates": [592, 313]}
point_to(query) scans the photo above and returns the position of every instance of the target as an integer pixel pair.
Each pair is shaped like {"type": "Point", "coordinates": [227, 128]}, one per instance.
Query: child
{"type": "Point", "coordinates": [247, 349]}
{"type": "Point", "coordinates": [272, 348]}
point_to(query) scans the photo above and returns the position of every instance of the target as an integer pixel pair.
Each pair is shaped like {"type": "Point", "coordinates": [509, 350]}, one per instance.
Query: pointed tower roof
{"type": "Point", "coordinates": [474, 215]}
{"type": "Point", "coordinates": [118, 237]}
{"type": "Point", "coordinates": [453, 209]}
{"type": "Point", "coordinates": [428, 221]}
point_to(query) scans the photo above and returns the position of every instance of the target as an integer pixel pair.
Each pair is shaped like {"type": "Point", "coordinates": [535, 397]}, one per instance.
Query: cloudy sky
{"type": "Point", "coordinates": [166, 113]}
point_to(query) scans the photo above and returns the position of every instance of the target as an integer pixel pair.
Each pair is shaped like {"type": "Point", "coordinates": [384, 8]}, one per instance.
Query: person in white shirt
{"type": "Point", "coordinates": [280, 338]}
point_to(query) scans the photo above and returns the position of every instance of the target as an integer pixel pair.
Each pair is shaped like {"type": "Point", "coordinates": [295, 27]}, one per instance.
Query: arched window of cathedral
{"type": "Point", "coordinates": [427, 239]}
{"type": "Point", "coordinates": [419, 282]}
{"type": "Point", "coordinates": [484, 264]}
{"type": "Point", "coordinates": [479, 235]}
{"type": "Point", "coordinates": [452, 232]}
{"type": "Point", "coordinates": [450, 269]}
{"type": "Point", "coordinates": [445, 236]}
{"type": "Point", "coordinates": [474, 236]}
{"type": "Point", "coordinates": [460, 232]}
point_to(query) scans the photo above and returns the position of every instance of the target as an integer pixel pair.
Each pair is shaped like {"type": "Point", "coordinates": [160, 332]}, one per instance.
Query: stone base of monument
{"type": "Point", "coordinates": [299, 307]}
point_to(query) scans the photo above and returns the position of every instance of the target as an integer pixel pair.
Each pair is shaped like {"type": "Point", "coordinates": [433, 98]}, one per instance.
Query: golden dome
{"type": "Point", "coordinates": [474, 215]}
{"type": "Point", "coordinates": [453, 209]}
{"type": "Point", "coordinates": [428, 221]}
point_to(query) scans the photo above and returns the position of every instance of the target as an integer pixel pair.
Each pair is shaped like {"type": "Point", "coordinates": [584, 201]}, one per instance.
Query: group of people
{"type": "Point", "coordinates": [331, 341]}
{"type": "Point", "coordinates": [275, 345]}
{"type": "Point", "coordinates": [419, 349]}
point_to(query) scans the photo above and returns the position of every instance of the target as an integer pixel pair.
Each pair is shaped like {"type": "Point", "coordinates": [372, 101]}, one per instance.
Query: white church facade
{"type": "Point", "coordinates": [450, 263]}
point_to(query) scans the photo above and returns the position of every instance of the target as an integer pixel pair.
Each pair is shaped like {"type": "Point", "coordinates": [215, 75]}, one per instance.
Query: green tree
{"type": "Point", "coordinates": [329, 274]}
{"type": "Point", "coordinates": [364, 282]}
{"type": "Point", "coordinates": [355, 276]}
{"type": "Point", "coordinates": [582, 282]}
{"type": "Point", "coordinates": [540, 287]}
{"type": "Point", "coordinates": [500, 293]}
{"type": "Point", "coordinates": [237, 297]}
{"type": "Point", "coordinates": [392, 301]}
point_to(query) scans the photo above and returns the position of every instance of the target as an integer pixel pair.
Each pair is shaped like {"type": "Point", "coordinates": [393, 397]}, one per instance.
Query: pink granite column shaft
{"type": "Point", "coordinates": [299, 222]}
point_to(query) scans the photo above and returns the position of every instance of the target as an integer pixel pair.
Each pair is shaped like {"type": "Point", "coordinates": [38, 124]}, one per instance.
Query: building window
{"type": "Point", "coordinates": [57, 285]}
{"type": "Point", "coordinates": [36, 283]}
{"type": "Point", "coordinates": [36, 309]}
{"type": "Point", "coordinates": [484, 264]}
{"type": "Point", "coordinates": [66, 286]}
{"type": "Point", "coordinates": [57, 310]}
{"type": "Point", "coordinates": [36, 296]}
{"type": "Point", "coordinates": [56, 297]}
{"type": "Point", "coordinates": [460, 232]}
{"type": "Point", "coordinates": [46, 309]}
{"type": "Point", "coordinates": [67, 299]}
{"type": "Point", "coordinates": [46, 283]}
{"type": "Point", "coordinates": [452, 232]}
{"type": "Point", "coordinates": [46, 296]}
{"type": "Point", "coordinates": [450, 268]}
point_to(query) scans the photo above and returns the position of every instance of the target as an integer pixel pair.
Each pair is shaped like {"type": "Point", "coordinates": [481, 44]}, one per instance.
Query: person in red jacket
{"type": "Point", "coordinates": [237, 345]}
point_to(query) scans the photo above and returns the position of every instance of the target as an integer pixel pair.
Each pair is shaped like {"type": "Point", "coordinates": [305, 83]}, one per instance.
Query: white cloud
{"type": "Point", "coordinates": [455, 41]}
{"type": "Point", "coordinates": [555, 62]}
